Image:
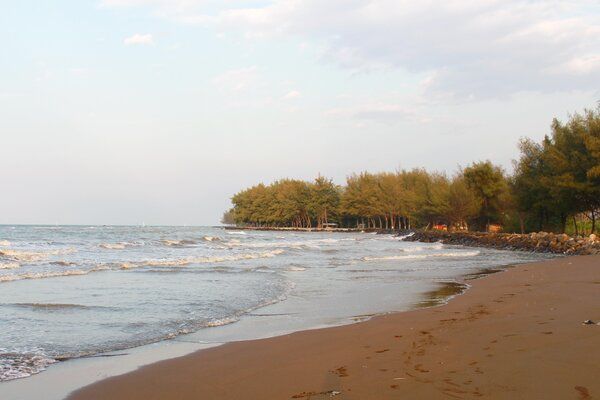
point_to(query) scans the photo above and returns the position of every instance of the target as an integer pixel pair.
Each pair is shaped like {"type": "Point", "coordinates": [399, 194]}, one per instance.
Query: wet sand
{"type": "Point", "coordinates": [513, 335]}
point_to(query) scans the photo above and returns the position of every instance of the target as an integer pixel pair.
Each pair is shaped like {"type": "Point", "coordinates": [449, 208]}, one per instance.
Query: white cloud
{"type": "Point", "coordinates": [139, 39]}
{"type": "Point", "coordinates": [294, 94]}
{"type": "Point", "coordinates": [375, 111]}
{"type": "Point", "coordinates": [474, 48]}
{"type": "Point", "coordinates": [237, 80]}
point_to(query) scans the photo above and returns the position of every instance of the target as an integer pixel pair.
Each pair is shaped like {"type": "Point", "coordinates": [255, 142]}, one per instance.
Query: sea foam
{"type": "Point", "coordinates": [423, 256]}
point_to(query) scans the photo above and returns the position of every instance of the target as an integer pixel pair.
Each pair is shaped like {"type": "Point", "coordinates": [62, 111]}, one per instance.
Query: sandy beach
{"type": "Point", "coordinates": [513, 335]}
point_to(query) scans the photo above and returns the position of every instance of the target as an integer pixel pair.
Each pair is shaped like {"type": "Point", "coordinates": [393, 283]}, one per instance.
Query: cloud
{"type": "Point", "coordinates": [294, 94]}
{"type": "Point", "coordinates": [139, 39]}
{"type": "Point", "coordinates": [237, 80]}
{"type": "Point", "coordinates": [474, 48]}
{"type": "Point", "coordinates": [376, 111]}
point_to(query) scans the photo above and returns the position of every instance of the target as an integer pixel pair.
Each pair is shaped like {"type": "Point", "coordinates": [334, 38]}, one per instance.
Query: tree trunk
{"type": "Point", "coordinates": [521, 223]}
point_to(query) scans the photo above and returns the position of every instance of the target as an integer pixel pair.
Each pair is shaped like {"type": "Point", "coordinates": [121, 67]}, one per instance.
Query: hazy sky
{"type": "Point", "coordinates": [157, 111]}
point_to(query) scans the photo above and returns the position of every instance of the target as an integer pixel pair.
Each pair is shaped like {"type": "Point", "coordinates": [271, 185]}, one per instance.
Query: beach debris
{"type": "Point", "coordinates": [308, 395]}
{"type": "Point", "coordinates": [589, 322]}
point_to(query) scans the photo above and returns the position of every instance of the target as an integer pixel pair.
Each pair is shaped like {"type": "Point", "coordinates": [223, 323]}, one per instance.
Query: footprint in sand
{"type": "Point", "coordinates": [583, 392]}
{"type": "Point", "coordinates": [342, 372]}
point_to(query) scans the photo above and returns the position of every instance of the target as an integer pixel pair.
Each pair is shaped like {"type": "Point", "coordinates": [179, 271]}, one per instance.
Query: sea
{"type": "Point", "coordinates": [79, 291]}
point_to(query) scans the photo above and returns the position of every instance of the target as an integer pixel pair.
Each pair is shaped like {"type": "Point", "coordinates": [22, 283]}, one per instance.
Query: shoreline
{"type": "Point", "coordinates": [521, 331]}
{"type": "Point", "coordinates": [78, 372]}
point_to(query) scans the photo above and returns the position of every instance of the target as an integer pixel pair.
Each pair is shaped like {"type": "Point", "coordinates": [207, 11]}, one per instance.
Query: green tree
{"type": "Point", "coordinates": [489, 184]}
{"type": "Point", "coordinates": [324, 200]}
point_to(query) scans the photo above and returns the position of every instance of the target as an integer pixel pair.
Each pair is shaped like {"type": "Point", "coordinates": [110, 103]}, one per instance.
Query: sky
{"type": "Point", "coordinates": [158, 111]}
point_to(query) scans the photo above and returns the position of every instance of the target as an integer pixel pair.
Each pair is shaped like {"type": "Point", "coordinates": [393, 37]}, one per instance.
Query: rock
{"type": "Point", "coordinates": [542, 242]}
{"type": "Point", "coordinates": [589, 322]}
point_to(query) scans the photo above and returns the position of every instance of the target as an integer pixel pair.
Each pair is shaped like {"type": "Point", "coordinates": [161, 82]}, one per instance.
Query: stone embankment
{"type": "Point", "coordinates": [542, 242]}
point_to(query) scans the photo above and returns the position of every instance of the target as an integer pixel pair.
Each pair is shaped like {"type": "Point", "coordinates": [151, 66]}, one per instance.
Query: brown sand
{"type": "Point", "coordinates": [513, 335]}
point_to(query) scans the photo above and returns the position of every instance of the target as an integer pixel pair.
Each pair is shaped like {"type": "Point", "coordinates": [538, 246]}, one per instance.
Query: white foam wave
{"type": "Point", "coordinates": [4, 243]}
{"type": "Point", "coordinates": [178, 243]}
{"type": "Point", "coordinates": [433, 246]}
{"type": "Point", "coordinates": [405, 236]}
{"type": "Point", "coordinates": [295, 269]}
{"type": "Point", "coordinates": [423, 256]}
{"type": "Point", "coordinates": [281, 244]}
{"type": "Point", "coordinates": [236, 233]}
{"type": "Point", "coordinates": [9, 265]}
{"type": "Point", "coordinates": [199, 260]}
{"type": "Point", "coordinates": [112, 246]}
{"type": "Point", "coordinates": [20, 255]}
{"type": "Point", "coordinates": [42, 275]}
{"type": "Point", "coordinates": [18, 365]}
{"type": "Point", "coordinates": [221, 322]}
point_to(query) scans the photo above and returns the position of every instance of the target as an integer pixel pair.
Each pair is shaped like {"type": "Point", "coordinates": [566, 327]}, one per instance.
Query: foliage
{"type": "Point", "coordinates": [559, 178]}
{"type": "Point", "coordinates": [554, 182]}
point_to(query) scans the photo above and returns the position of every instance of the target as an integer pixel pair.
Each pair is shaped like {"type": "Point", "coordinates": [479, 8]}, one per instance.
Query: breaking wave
{"type": "Point", "coordinates": [179, 243]}
{"type": "Point", "coordinates": [112, 246]}
{"type": "Point", "coordinates": [201, 260]}
{"type": "Point", "coordinates": [33, 255]}
{"type": "Point", "coordinates": [42, 275]}
{"type": "Point", "coordinates": [423, 256]}
{"type": "Point", "coordinates": [433, 246]}
{"type": "Point", "coordinates": [52, 306]}
{"type": "Point", "coordinates": [21, 365]}
{"type": "Point", "coordinates": [9, 265]}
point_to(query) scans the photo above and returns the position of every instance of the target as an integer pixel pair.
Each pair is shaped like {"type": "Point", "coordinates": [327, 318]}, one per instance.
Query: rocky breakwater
{"type": "Point", "coordinates": [543, 242]}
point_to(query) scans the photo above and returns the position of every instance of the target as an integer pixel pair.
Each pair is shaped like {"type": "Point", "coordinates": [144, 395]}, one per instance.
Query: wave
{"type": "Point", "coordinates": [211, 238]}
{"type": "Point", "coordinates": [19, 365]}
{"type": "Point", "coordinates": [62, 263]}
{"type": "Point", "coordinates": [405, 236]}
{"type": "Point", "coordinates": [52, 306]}
{"type": "Point", "coordinates": [33, 255]}
{"type": "Point", "coordinates": [236, 233]}
{"type": "Point", "coordinates": [139, 264]}
{"type": "Point", "coordinates": [118, 245]}
{"type": "Point", "coordinates": [314, 244]}
{"type": "Point", "coordinates": [433, 246]}
{"type": "Point", "coordinates": [295, 269]}
{"type": "Point", "coordinates": [221, 322]}
{"type": "Point", "coordinates": [4, 243]}
{"type": "Point", "coordinates": [423, 256]}
{"type": "Point", "coordinates": [112, 246]}
{"type": "Point", "coordinates": [179, 262]}
{"type": "Point", "coordinates": [9, 265]}
{"type": "Point", "coordinates": [179, 243]}
{"type": "Point", "coordinates": [42, 275]}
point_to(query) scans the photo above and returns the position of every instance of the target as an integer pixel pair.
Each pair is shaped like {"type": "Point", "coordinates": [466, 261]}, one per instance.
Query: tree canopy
{"type": "Point", "coordinates": [553, 180]}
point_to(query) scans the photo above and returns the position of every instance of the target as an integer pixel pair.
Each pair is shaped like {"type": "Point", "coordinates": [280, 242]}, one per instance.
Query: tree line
{"type": "Point", "coordinates": [555, 186]}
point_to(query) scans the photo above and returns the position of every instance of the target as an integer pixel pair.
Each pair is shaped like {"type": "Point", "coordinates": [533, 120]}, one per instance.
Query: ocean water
{"type": "Point", "coordinates": [76, 291]}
